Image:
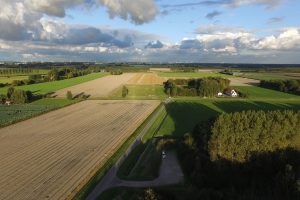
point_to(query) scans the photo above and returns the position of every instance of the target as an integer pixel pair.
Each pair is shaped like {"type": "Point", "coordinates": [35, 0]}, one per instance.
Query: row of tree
{"type": "Point", "coordinates": [16, 96]}
{"type": "Point", "coordinates": [248, 155]}
{"type": "Point", "coordinates": [290, 86]}
{"type": "Point", "coordinates": [205, 87]}
{"type": "Point", "coordinates": [21, 70]}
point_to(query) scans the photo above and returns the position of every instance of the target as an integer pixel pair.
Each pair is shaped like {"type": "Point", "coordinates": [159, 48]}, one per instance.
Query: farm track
{"type": "Point", "coordinates": [97, 88]}
{"type": "Point", "coordinates": [52, 155]}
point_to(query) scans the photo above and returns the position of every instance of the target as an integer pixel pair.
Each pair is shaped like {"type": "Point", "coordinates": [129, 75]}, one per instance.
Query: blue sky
{"type": "Point", "coordinates": [250, 31]}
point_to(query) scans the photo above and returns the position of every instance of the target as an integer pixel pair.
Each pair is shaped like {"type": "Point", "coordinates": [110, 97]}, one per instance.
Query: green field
{"type": "Point", "coordinates": [14, 113]}
{"type": "Point", "coordinates": [10, 79]}
{"type": "Point", "coordinates": [192, 74]}
{"type": "Point", "coordinates": [271, 76]}
{"type": "Point", "coordinates": [141, 92]}
{"type": "Point", "coordinates": [48, 87]}
{"type": "Point", "coordinates": [183, 115]}
{"type": "Point", "coordinates": [267, 94]}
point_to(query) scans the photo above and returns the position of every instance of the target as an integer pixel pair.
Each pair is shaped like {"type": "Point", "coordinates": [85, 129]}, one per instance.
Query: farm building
{"type": "Point", "coordinates": [231, 92]}
{"type": "Point", "coordinates": [220, 94]}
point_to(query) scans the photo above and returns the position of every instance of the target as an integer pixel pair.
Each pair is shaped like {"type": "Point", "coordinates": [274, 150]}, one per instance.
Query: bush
{"type": "Point", "coordinates": [17, 83]}
{"type": "Point", "coordinates": [19, 97]}
{"type": "Point", "coordinates": [69, 95]}
{"type": "Point", "coordinates": [124, 91]}
{"type": "Point", "coordinates": [10, 91]}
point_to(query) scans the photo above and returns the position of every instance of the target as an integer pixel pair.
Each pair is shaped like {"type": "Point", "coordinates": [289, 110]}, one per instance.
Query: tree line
{"type": "Point", "coordinates": [247, 155]}
{"type": "Point", "coordinates": [16, 96]}
{"type": "Point", "coordinates": [205, 87]}
{"type": "Point", "coordinates": [289, 86]}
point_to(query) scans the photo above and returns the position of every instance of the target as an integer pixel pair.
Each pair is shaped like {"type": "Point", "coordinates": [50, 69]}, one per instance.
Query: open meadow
{"type": "Point", "coordinates": [52, 156]}
{"type": "Point", "coordinates": [49, 87]}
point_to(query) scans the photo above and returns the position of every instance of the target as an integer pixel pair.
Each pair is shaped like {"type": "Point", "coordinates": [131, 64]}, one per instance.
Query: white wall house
{"type": "Point", "coordinates": [231, 92]}
{"type": "Point", "coordinates": [220, 94]}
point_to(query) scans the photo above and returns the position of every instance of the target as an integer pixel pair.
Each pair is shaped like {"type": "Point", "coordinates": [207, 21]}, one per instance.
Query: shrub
{"type": "Point", "coordinates": [10, 91]}
{"type": "Point", "coordinates": [124, 91]}
{"type": "Point", "coordinates": [19, 97]}
{"type": "Point", "coordinates": [17, 83]}
{"type": "Point", "coordinates": [69, 95]}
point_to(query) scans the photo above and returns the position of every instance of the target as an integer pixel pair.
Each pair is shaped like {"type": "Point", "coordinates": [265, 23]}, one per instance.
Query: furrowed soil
{"type": "Point", "coordinates": [147, 79]}
{"type": "Point", "coordinates": [97, 88]}
{"type": "Point", "coordinates": [52, 156]}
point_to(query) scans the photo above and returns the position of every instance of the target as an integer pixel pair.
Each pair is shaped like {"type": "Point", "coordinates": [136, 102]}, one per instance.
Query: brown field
{"type": "Point", "coordinates": [97, 88]}
{"type": "Point", "coordinates": [147, 79]}
{"type": "Point", "coordinates": [243, 82]}
{"type": "Point", "coordinates": [52, 156]}
{"type": "Point", "coordinates": [160, 69]}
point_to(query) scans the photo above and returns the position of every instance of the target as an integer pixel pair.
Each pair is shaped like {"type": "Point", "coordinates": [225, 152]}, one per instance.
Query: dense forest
{"type": "Point", "coordinates": [248, 155]}
{"type": "Point", "coordinates": [290, 86]}
{"type": "Point", "coordinates": [205, 87]}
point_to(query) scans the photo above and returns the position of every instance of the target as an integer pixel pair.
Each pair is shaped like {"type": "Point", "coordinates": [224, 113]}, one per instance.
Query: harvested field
{"type": "Point", "coordinates": [161, 69]}
{"type": "Point", "coordinates": [147, 79]}
{"type": "Point", "coordinates": [52, 156]}
{"type": "Point", "coordinates": [97, 88]}
{"type": "Point", "coordinates": [243, 82]}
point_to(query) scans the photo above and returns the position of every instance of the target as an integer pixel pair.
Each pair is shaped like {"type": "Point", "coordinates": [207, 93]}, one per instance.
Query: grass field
{"type": "Point", "coordinates": [10, 79]}
{"type": "Point", "coordinates": [271, 76]}
{"type": "Point", "coordinates": [267, 94]}
{"type": "Point", "coordinates": [48, 87]}
{"type": "Point", "coordinates": [192, 75]}
{"type": "Point", "coordinates": [141, 92]}
{"type": "Point", "coordinates": [15, 113]}
{"type": "Point", "coordinates": [183, 115]}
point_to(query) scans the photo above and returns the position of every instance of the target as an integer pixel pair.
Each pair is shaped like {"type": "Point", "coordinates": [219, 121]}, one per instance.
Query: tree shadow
{"type": "Point", "coordinates": [185, 116]}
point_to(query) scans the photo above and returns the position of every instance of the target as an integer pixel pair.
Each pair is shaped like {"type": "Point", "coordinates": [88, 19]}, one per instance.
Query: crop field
{"type": "Point", "coordinates": [271, 76]}
{"type": "Point", "coordinates": [52, 156]}
{"type": "Point", "coordinates": [147, 79]}
{"type": "Point", "coordinates": [48, 87]}
{"type": "Point", "coordinates": [267, 94]}
{"type": "Point", "coordinates": [192, 75]}
{"type": "Point", "coordinates": [10, 79]}
{"type": "Point", "coordinates": [243, 82]}
{"type": "Point", "coordinates": [97, 88]}
{"type": "Point", "coordinates": [14, 113]}
{"type": "Point", "coordinates": [141, 92]}
{"type": "Point", "coordinates": [183, 115]}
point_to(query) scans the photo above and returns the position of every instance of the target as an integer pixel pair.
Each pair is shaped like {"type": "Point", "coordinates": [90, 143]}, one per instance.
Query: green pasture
{"type": "Point", "coordinates": [48, 87]}
{"type": "Point", "coordinates": [270, 76]}
{"type": "Point", "coordinates": [183, 115]}
{"type": "Point", "coordinates": [10, 79]}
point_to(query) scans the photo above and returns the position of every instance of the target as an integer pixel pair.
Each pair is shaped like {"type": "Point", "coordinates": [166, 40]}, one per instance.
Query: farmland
{"type": "Point", "coordinates": [271, 75]}
{"type": "Point", "coordinates": [97, 88]}
{"type": "Point", "coordinates": [48, 87]}
{"type": "Point", "coordinates": [192, 74]}
{"type": "Point", "coordinates": [140, 92]}
{"type": "Point", "coordinates": [147, 79]}
{"type": "Point", "coordinates": [54, 159]}
{"type": "Point", "coordinates": [15, 113]}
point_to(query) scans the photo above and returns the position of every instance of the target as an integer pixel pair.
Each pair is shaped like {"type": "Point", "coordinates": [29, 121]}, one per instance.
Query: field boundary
{"type": "Point", "coordinates": [115, 159]}
{"type": "Point", "coordinates": [39, 114]}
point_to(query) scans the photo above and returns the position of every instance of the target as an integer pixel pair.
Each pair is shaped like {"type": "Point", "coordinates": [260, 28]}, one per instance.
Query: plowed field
{"type": "Point", "coordinates": [147, 79]}
{"type": "Point", "coordinates": [52, 156]}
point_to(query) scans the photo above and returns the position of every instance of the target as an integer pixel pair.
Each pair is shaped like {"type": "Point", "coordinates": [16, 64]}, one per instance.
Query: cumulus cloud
{"type": "Point", "coordinates": [154, 45]}
{"type": "Point", "coordinates": [139, 11]}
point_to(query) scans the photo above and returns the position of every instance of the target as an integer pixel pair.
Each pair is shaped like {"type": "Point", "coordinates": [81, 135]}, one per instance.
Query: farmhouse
{"type": "Point", "coordinates": [231, 92]}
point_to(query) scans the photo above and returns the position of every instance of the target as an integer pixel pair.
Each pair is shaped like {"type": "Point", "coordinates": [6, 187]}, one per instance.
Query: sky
{"type": "Point", "coordinates": [207, 31]}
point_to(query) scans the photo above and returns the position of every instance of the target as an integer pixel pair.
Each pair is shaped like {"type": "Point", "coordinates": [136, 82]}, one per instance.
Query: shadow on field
{"type": "Point", "coordinates": [185, 115]}
{"type": "Point", "coordinates": [238, 106]}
